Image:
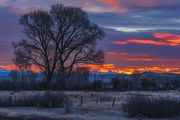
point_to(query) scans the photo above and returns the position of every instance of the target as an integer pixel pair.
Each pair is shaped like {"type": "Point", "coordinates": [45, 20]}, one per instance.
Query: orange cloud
{"type": "Point", "coordinates": [129, 70]}
{"type": "Point", "coordinates": [13, 67]}
{"type": "Point", "coordinates": [8, 67]}
{"type": "Point", "coordinates": [112, 67]}
{"type": "Point", "coordinates": [164, 35]}
{"type": "Point", "coordinates": [157, 69]}
{"type": "Point", "coordinates": [166, 40]}
{"type": "Point", "coordinates": [137, 57]}
{"type": "Point", "coordinates": [114, 4]}
{"type": "Point", "coordinates": [149, 42]}
{"type": "Point", "coordinates": [124, 5]}
{"type": "Point", "coordinates": [100, 68]}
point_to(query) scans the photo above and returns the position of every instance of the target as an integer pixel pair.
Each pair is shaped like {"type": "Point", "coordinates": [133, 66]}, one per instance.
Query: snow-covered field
{"type": "Point", "coordinates": [86, 105]}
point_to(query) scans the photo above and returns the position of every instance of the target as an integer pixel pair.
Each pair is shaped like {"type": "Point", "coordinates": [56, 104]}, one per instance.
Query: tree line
{"type": "Point", "coordinates": [80, 80]}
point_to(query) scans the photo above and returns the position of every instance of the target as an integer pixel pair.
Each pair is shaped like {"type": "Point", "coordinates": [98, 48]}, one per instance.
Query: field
{"type": "Point", "coordinates": [85, 106]}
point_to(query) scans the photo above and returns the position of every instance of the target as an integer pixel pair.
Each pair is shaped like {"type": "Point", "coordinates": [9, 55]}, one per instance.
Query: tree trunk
{"type": "Point", "coordinates": [63, 80]}
{"type": "Point", "coordinates": [22, 80]}
{"type": "Point", "coordinates": [48, 81]}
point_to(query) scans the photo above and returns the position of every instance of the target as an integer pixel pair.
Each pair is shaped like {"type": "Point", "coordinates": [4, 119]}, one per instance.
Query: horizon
{"type": "Point", "coordinates": [141, 35]}
{"type": "Point", "coordinates": [101, 72]}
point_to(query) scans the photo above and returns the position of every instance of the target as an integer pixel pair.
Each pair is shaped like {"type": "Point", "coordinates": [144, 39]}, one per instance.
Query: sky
{"type": "Point", "coordinates": [142, 35]}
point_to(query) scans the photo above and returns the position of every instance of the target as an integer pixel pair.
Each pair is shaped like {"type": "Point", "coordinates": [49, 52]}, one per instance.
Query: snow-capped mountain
{"type": "Point", "coordinates": [105, 76]}
{"type": "Point", "coordinates": [4, 72]}
{"type": "Point", "coordinates": [160, 77]}
{"type": "Point", "coordinates": [108, 76]}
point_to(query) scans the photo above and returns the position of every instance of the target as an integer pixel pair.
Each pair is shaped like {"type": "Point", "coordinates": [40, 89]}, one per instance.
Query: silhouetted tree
{"type": "Point", "coordinates": [31, 80]}
{"type": "Point", "coordinates": [15, 77]}
{"type": "Point", "coordinates": [97, 85]}
{"type": "Point", "coordinates": [176, 84]}
{"type": "Point", "coordinates": [136, 79]}
{"type": "Point", "coordinates": [22, 64]}
{"type": "Point", "coordinates": [121, 84]}
{"type": "Point", "coordinates": [115, 83]}
{"type": "Point", "coordinates": [79, 79]}
{"type": "Point", "coordinates": [148, 84]}
{"type": "Point", "coordinates": [59, 39]}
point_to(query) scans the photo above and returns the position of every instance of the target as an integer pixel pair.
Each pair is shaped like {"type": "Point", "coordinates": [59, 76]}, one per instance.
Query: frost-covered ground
{"type": "Point", "coordinates": [95, 106]}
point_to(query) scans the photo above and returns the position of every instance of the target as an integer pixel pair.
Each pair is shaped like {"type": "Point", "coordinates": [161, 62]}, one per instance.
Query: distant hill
{"type": "Point", "coordinates": [4, 72]}
{"type": "Point", "coordinates": [108, 76]}
{"type": "Point", "coordinates": [160, 77]}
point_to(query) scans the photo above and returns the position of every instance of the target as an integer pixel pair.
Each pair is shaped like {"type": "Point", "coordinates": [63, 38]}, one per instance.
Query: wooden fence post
{"type": "Point", "coordinates": [81, 103]}
{"type": "Point", "coordinates": [113, 102]}
{"type": "Point", "coordinates": [97, 100]}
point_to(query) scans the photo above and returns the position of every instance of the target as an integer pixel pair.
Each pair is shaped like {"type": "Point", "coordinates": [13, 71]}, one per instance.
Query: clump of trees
{"type": "Point", "coordinates": [14, 81]}
{"type": "Point", "coordinates": [56, 41]}
{"type": "Point", "coordinates": [121, 84]}
{"type": "Point", "coordinates": [148, 84]}
{"type": "Point", "coordinates": [79, 80]}
{"type": "Point", "coordinates": [97, 85]}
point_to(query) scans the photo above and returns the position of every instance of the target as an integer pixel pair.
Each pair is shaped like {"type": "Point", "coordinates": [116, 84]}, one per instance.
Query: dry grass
{"type": "Point", "coordinates": [152, 107]}
{"type": "Point", "coordinates": [89, 110]}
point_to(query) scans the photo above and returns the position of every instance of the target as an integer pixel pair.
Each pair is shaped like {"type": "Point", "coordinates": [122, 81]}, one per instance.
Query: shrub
{"type": "Point", "coordinates": [97, 85]}
{"type": "Point", "coordinates": [148, 84]}
{"type": "Point", "coordinates": [46, 100]}
{"type": "Point", "coordinates": [115, 83]}
{"type": "Point", "coordinates": [121, 84]}
{"type": "Point", "coordinates": [162, 107]}
{"type": "Point", "coordinates": [176, 84]}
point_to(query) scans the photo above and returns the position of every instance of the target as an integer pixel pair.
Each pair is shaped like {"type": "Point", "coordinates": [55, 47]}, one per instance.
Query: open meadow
{"type": "Point", "coordinates": [78, 106]}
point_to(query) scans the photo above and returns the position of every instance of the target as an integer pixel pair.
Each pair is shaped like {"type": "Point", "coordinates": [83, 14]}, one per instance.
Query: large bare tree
{"type": "Point", "coordinates": [59, 39]}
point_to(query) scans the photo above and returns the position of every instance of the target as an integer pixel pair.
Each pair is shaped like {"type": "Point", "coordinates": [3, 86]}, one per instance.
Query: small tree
{"type": "Point", "coordinates": [14, 75]}
{"type": "Point", "coordinates": [176, 84]}
{"type": "Point", "coordinates": [22, 64]}
{"type": "Point", "coordinates": [97, 85]}
{"type": "Point", "coordinates": [136, 79]}
{"type": "Point", "coordinates": [121, 84]}
{"type": "Point", "coordinates": [148, 84]}
{"type": "Point", "coordinates": [80, 78]}
{"type": "Point", "coordinates": [31, 80]}
{"type": "Point", "coordinates": [115, 83]}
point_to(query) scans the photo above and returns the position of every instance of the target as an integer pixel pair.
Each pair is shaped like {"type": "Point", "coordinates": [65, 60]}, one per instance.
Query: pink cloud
{"type": "Point", "coordinates": [166, 40]}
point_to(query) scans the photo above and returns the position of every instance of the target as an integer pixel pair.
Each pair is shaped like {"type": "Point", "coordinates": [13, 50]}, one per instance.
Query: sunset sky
{"type": "Point", "coordinates": [141, 35]}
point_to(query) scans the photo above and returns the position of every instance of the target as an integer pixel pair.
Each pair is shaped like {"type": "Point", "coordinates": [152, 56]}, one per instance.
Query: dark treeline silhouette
{"type": "Point", "coordinates": [80, 80]}
{"type": "Point", "coordinates": [29, 80]}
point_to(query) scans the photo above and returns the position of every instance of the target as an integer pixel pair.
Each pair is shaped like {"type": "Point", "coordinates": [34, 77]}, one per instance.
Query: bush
{"type": "Point", "coordinates": [148, 84]}
{"type": "Point", "coordinates": [97, 85]}
{"type": "Point", "coordinates": [46, 100]}
{"type": "Point", "coordinates": [121, 84]}
{"type": "Point", "coordinates": [176, 84]}
{"type": "Point", "coordinates": [162, 107]}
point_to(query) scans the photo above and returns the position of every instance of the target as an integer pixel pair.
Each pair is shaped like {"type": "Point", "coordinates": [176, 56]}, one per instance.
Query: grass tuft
{"type": "Point", "coordinates": [151, 107]}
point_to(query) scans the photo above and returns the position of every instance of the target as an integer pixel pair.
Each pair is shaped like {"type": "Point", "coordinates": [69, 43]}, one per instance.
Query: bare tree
{"type": "Point", "coordinates": [59, 40]}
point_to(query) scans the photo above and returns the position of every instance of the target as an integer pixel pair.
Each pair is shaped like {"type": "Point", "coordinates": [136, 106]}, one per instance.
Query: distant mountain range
{"type": "Point", "coordinates": [4, 72]}
{"type": "Point", "coordinates": [107, 76]}
{"type": "Point", "coordinates": [161, 77]}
